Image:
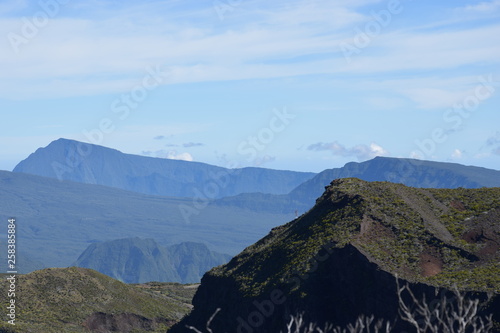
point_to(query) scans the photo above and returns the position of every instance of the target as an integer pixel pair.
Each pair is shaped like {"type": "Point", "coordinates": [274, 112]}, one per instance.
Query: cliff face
{"type": "Point", "coordinates": [136, 260]}
{"type": "Point", "coordinates": [340, 260]}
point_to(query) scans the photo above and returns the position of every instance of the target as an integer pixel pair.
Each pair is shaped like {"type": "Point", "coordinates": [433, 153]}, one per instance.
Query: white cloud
{"type": "Point", "coordinates": [173, 155]}
{"type": "Point", "coordinates": [457, 154]}
{"type": "Point", "coordinates": [168, 154]}
{"type": "Point", "coordinates": [425, 92]}
{"type": "Point", "coordinates": [376, 150]}
{"type": "Point", "coordinates": [95, 55]}
{"type": "Point", "coordinates": [192, 144]}
{"type": "Point", "coordinates": [416, 155]}
{"type": "Point", "coordinates": [362, 152]}
{"type": "Point", "coordinates": [418, 51]}
{"type": "Point", "coordinates": [431, 98]}
{"type": "Point", "coordinates": [484, 7]}
{"type": "Point", "coordinates": [264, 160]}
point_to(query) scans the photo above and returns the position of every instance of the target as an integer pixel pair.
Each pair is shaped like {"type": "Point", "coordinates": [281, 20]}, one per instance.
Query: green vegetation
{"type": "Point", "coordinates": [417, 233]}
{"type": "Point", "coordinates": [485, 278]}
{"type": "Point", "coordinates": [61, 300]}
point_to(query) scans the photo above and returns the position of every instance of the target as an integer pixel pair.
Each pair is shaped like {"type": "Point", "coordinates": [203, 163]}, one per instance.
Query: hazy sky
{"type": "Point", "coordinates": [300, 85]}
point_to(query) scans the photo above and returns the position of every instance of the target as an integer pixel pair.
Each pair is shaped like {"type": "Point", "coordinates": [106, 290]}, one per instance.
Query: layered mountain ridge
{"type": "Point", "coordinates": [76, 161]}
{"type": "Point", "coordinates": [135, 260]}
{"type": "Point", "coordinates": [341, 259]}
{"type": "Point", "coordinates": [58, 220]}
{"type": "Point", "coordinates": [410, 172]}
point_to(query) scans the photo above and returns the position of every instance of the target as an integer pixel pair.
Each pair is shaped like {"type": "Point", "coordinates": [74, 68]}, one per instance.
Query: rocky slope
{"type": "Point", "coordinates": [76, 300]}
{"type": "Point", "coordinates": [340, 259]}
{"type": "Point", "coordinates": [136, 260]}
{"type": "Point", "coordinates": [92, 164]}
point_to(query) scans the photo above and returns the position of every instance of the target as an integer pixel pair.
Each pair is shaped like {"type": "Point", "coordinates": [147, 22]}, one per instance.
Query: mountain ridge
{"type": "Point", "coordinates": [65, 159]}
{"type": "Point", "coordinates": [410, 172]}
{"type": "Point", "coordinates": [58, 220]}
{"type": "Point", "coordinates": [136, 260]}
{"type": "Point", "coordinates": [343, 258]}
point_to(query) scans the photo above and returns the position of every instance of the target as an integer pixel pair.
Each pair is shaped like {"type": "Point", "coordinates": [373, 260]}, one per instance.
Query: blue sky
{"type": "Point", "coordinates": [298, 84]}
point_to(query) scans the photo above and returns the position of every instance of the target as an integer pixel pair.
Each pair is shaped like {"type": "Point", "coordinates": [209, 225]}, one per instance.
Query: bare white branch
{"type": "Point", "coordinates": [455, 315]}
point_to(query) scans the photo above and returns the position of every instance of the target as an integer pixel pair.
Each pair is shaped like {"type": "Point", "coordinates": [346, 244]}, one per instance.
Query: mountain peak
{"type": "Point", "coordinates": [136, 260]}
{"type": "Point", "coordinates": [341, 259]}
{"type": "Point", "coordinates": [76, 161]}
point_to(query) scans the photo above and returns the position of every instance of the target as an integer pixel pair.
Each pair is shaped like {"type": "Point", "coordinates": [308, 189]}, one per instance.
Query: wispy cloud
{"type": "Point", "coordinates": [457, 154]}
{"type": "Point", "coordinates": [361, 152]}
{"type": "Point", "coordinates": [174, 155]}
{"type": "Point", "coordinates": [168, 154]}
{"type": "Point", "coordinates": [484, 7]}
{"type": "Point", "coordinates": [192, 144]}
{"type": "Point", "coordinates": [260, 161]}
{"type": "Point", "coordinates": [493, 143]}
{"type": "Point", "coordinates": [494, 140]}
{"type": "Point", "coordinates": [91, 54]}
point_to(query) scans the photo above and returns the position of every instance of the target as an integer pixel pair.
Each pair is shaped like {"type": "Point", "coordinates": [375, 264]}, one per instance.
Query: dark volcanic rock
{"type": "Point", "coordinates": [125, 322]}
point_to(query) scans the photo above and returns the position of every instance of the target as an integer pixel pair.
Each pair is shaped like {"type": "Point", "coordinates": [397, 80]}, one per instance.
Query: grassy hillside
{"type": "Point", "coordinates": [396, 226]}
{"type": "Point", "coordinates": [74, 299]}
{"type": "Point", "coordinates": [340, 259]}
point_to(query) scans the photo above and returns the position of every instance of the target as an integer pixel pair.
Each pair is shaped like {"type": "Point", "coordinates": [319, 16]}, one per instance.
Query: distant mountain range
{"type": "Point", "coordinates": [91, 164]}
{"type": "Point", "coordinates": [341, 260]}
{"type": "Point", "coordinates": [334, 262]}
{"type": "Point", "coordinates": [135, 260]}
{"type": "Point", "coordinates": [58, 220]}
{"type": "Point", "coordinates": [410, 172]}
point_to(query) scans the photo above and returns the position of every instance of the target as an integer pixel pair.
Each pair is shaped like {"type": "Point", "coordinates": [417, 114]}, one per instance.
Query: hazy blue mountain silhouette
{"type": "Point", "coordinates": [58, 220]}
{"type": "Point", "coordinates": [410, 172]}
{"type": "Point", "coordinates": [91, 164]}
{"type": "Point", "coordinates": [136, 260]}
